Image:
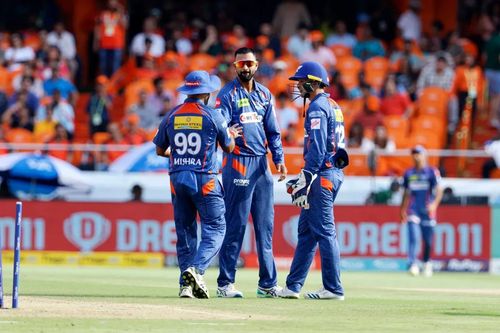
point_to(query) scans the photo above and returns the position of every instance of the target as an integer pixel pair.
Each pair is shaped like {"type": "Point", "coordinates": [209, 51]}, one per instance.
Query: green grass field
{"type": "Point", "coordinates": [145, 300]}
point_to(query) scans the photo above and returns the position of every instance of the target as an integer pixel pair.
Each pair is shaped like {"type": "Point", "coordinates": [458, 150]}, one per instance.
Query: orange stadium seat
{"type": "Point", "coordinates": [341, 51]}
{"type": "Point", "coordinates": [358, 166]}
{"type": "Point", "coordinates": [202, 61]}
{"type": "Point", "coordinates": [349, 68]}
{"type": "Point", "coordinates": [133, 89]}
{"type": "Point", "coordinates": [398, 129]}
{"type": "Point", "coordinates": [433, 102]}
{"type": "Point", "coordinates": [376, 69]}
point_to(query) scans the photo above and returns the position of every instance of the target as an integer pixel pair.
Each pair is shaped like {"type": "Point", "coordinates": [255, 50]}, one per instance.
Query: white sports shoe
{"type": "Point", "coordinates": [186, 292]}
{"type": "Point", "coordinates": [428, 269]}
{"type": "Point", "coordinates": [287, 293]}
{"type": "Point", "coordinates": [229, 291]}
{"type": "Point", "coordinates": [323, 294]}
{"type": "Point", "coordinates": [268, 292]}
{"type": "Point", "coordinates": [414, 270]}
{"type": "Point", "coordinates": [195, 281]}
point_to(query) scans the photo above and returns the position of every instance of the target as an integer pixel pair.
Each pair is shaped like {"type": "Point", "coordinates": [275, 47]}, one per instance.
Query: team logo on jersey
{"type": "Point", "coordinates": [217, 102]}
{"type": "Point", "coordinates": [316, 123]}
{"type": "Point", "coordinates": [250, 117]}
{"type": "Point", "coordinates": [188, 122]}
{"type": "Point", "coordinates": [339, 116]}
{"type": "Point", "coordinates": [243, 102]}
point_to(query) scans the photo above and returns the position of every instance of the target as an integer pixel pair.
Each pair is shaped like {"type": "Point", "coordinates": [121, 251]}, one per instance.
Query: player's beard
{"type": "Point", "coordinates": [246, 76]}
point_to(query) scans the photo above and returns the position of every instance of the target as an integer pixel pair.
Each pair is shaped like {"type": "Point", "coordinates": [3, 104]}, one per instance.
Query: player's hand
{"type": "Point", "coordinates": [235, 131]}
{"type": "Point", "coordinates": [431, 208]}
{"type": "Point", "coordinates": [282, 170]}
{"type": "Point", "coordinates": [404, 217]}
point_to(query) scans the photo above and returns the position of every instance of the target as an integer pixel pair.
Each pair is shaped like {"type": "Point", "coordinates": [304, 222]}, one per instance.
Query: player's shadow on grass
{"type": "Point", "coordinates": [101, 296]}
{"type": "Point", "coordinates": [478, 314]}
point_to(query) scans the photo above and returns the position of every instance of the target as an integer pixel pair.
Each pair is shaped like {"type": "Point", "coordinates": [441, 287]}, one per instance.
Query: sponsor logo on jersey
{"type": "Point", "coordinates": [188, 122]}
{"type": "Point", "coordinates": [241, 182]}
{"type": "Point", "coordinates": [339, 116]}
{"type": "Point", "coordinates": [243, 102]}
{"type": "Point", "coordinates": [250, 117]}
{"type": "Point", "coordinates": [316, 123]}
{"type": "Point", "coordinates": [187, 161]}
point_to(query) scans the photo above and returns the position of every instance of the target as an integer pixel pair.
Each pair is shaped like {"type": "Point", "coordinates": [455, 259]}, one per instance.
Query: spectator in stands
{"type": "Point", "coordinates": [116, 138]}
{"type": "Point", "coordinates": [394, 102]}
{"type": "Point", "coordinates": [65, 42]}
{"type": "Point", "coordinates": [386, 197]}
{"type": "Point", "coordinates": [157, 48]}
{"type": "Point", "coordinates": [239, 38]}
{"type": "Point", "coordinates": [436, 74]}
{"type": "Point", "coordinates": [492, 70]}
{"type": "Point", "coordinates": [61, 137]}
{"type": "Point", "coordinates": [18, 115]}
{"type": "Point", "coordinates": [32, 100]}
{"type": "Point", "coordinates": [45, 129]}
{"type": "Point", "coordinates": [370, 118]}
{"type": "Point", "coordinates": [449, 198]}
{"type": "Point", "coordinates": [63, 112]}
{"type": "Point", "coordinates": [492, 148]}
{"type": "Point", "coordinates": [65, 88]}
{"type": "Point", "coordinates": [299, 42]}
{"type": "Point", "coordinates": [211, 43]}
{"type": "Point", "coordinates": [319, 52]}
{"type": "Point", "coordinates": [172, 69]}
{"type": "Point", "coordinates": [288, 16]}
{"type": "Point", "coordinates": [54, 59]}
{"type": "Point", "coordinates": [285, 112]}
{"type": "Point", "coordinates": [407, 65]}
{"type": "Point", "coordinates": [148, 118]}
{"type": "Point", "coordinates": [436, 42]}
{"type": "Point", "coordinates": [18, 54]}
{"type": "Point", "coordinates": [410, 23]}
{"type": "Point", "coordinates": [36, 86]}
{"type": "Point", "coordinates": [336, 89]}
{"type": "Point", "coordinates": [132, 132]}
{"type": "Point", "coordinates": [156, 99]}
{"type": "Point", "coordinates": [454, 47]}
{"type": "Point", "coordinates": [99, 106]}
{"type": "Point", "coordinates": [340, 36]}
{"type": "Point", "coordinates": [166, 106]}
{"type": "Point", "coordinates": [368, 46]}
{"type": "Point", "coordinates": [357, 139]}
{"type": "Point", "coordinates": [383, 22]}
{"type": "Point", "coordinates": [274, 42]}
{"type": "Point", "coordinates": [382, 141]}
{"type": "Point", "coordinates": [109, 37]}
{"type": "Point", "coordinates": [3, 102]}
{"type": "Point", "coordinates": [182, 45]}
{"type": "Point", "coordinates": [291, 137]}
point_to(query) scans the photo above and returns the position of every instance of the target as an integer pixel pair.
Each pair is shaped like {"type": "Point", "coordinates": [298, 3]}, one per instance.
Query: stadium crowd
{"type": "Point", "coordinates": [397, 85]}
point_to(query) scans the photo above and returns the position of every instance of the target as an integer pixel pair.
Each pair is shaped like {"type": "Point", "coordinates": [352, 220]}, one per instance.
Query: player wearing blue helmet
{"type": "Point", "coordinates": [317, 186]}
{"type": "Point", "coordinates": [189, 135]}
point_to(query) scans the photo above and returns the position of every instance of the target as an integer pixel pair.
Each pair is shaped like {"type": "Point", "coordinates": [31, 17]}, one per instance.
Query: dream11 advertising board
{"type": "Point", "coordinates": [370, 237]}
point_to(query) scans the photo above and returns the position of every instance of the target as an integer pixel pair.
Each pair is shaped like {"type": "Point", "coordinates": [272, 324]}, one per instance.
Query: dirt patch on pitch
{"type": "Point", "coordinates": [492, 292]}
{"type": "Point", "coordinates": [46, 307]}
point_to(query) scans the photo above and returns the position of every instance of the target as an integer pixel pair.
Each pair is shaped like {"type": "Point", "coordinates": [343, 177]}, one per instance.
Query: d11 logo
{"type": "Point", "coordinates": [87, 230]}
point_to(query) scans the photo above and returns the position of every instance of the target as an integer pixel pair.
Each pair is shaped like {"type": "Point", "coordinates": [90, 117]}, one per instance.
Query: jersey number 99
{"type": "Point", "coordinates": [190, 143]}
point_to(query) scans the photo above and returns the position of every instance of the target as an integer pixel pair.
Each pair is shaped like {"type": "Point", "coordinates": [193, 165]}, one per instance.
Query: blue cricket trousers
{"type": "Point", "coordinates": [197, 192]}
{"type": "Point", "coordinates": [248, 187]}
{"type": "Point", "coordinates": [426, 226]}
{"type": "Point", "coordinates": [317, 227]}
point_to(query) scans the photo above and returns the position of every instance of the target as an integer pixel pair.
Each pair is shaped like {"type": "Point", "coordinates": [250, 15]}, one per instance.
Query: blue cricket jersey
{"type": "Point", "coordinates": [323, 133]}
{"type": "Point", "coordinates": [421, 184]}
{"type": "Point", "coordinates": [254, 111]}
{"type": "Point", "coordinates": [192, 130]}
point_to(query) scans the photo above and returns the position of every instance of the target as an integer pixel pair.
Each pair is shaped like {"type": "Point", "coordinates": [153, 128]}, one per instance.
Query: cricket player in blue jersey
{"type": "Point", "coordinates": [317, 186]}
{"type": "Point", "coordinates": [188, 135]}
{"type": "Point", "coordinates": [247, 180]}
{"type": "Point", "coordinates": [421, 198]}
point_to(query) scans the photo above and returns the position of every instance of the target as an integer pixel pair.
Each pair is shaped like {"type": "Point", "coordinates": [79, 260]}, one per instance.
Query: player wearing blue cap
{"type": "Point", "coordinates": [317, 186]}
{"type": "Point", "coordinates": [420, 201]}
{"type": "Point", "coordinates": [188, 135]}
{"type": "Point", "coordinates": [248, 183]}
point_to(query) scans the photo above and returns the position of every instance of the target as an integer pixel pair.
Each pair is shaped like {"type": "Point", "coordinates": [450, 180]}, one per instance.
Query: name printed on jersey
{"type": "Point", "coordinates": [188, 122]}
{"type": "Point", "coordinates": [316, 123]}
{"type": "Point", "coordinates": [187, 161]}
{"type": "Point", "coordinates": [250, 117]}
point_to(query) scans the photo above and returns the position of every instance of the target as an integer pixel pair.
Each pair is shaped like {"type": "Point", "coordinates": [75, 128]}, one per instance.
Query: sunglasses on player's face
{"type": "Point", "coordinates": [243, 63]}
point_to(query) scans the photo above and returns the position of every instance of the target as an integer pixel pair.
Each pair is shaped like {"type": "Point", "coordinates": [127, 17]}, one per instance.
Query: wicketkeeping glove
{"type": "Point", "coordinates": [299, 188]}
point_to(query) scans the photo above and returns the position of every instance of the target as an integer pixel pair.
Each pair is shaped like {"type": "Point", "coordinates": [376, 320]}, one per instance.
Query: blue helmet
{"type": "Point", "coordinates": [311, 70]}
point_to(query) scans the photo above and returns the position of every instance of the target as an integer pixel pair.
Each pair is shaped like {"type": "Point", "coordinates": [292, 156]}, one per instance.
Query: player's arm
{"type": "Point", "coordinates": [273, 136]}
{"type": "Point", "coordinates": [405, 201]}
{"type": "Point", "coordinates": [161, 139]}
{"type": "Point", "coordinates": [223, 105]}
{"type": "Point", "coordinates": [435, 184]}
{"type": "Point", "coordinates": [316, 141]}
{"type": "Point", "coordinates": [226, 135]}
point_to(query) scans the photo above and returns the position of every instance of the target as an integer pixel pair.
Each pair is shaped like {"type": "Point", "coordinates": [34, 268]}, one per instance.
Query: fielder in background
{"type": "Point", "coordinates": [247, 180]}
{"type": "Point", "coordinates": [421, 198]}
{"type": "Point", "coordinates": [189, 136]}
{"type": "Point", "coordinates": [317, 186]}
